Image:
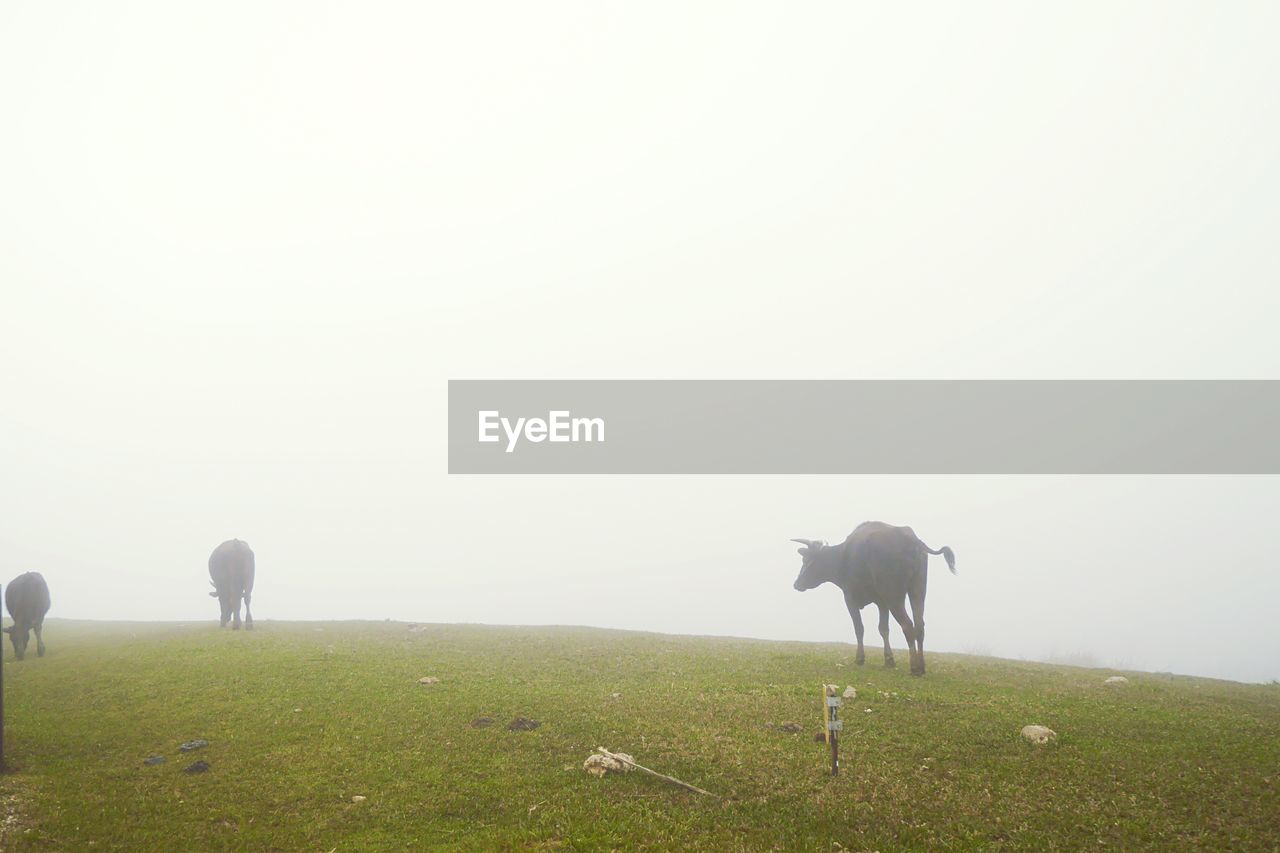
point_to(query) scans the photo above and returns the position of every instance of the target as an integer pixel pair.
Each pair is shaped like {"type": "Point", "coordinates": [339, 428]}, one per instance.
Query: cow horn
{"type": "Point", "coordinates": [810, 543]}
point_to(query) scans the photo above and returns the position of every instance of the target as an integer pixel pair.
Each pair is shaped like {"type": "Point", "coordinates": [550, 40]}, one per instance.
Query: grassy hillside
{"type": "Point", "coordinates": [301, 717]}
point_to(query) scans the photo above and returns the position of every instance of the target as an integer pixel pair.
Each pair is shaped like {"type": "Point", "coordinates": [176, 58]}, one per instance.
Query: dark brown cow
{"type": "Point", "coordinates": [877, 564]}
{"type": "Point", "coordinates": [231, 571]}
{"type": "Point", "coordinates": [27, 599]}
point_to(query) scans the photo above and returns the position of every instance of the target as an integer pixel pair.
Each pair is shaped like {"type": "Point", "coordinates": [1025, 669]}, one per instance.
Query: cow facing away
{"type": "Point", "coordinates": [27, 599]}
{"type": "Point", "coordinates": [231, 573]}
{"type": "Point", "coordinates": [877, 564]}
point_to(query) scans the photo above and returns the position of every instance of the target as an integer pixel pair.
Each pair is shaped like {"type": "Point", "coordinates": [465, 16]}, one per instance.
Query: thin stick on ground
{"type": "Point", "coordinates": [674, 781]}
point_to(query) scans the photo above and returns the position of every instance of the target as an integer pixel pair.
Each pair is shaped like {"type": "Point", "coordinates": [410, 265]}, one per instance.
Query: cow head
{"type": "Point", "coordinates": [20, 636]}
{"type": "Point", "coordinates": [818, 564]}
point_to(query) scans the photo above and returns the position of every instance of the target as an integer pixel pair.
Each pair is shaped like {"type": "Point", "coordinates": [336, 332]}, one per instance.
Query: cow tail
{"type": "Point", "coordinates": [947, 553]}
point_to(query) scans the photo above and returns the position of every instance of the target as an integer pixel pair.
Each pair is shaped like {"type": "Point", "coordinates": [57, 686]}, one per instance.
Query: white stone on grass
{"type": "Point", "coordinates": [1039, 734]}
{"type": "Point", "coordinates": [598, 765]}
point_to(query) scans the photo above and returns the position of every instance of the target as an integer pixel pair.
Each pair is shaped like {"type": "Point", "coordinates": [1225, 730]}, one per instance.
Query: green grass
{"type": "Point", "coordinates": [300, 717]}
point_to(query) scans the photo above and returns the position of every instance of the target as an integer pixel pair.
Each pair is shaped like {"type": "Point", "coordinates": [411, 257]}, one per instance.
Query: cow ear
{"type": "Point", "coordinates": [213, 594]}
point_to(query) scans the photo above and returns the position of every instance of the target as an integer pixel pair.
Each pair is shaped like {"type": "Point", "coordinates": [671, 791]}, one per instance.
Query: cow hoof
{"type": "Point", "coordinates": [235, 627]}
{"type": "Point", "coordinates": [889, 664]}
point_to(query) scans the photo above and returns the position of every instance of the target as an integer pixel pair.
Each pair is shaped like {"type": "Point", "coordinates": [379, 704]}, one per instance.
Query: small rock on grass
{"type": "Point", "coordinates": [1116, 679]}
{"type": "Point", "coordinates": [153, 760]}
{"type": "Point", "coordinates": [428, 679]}
{"type": "Point", "coordinates": [1039, 734]}
{"type": "Point", "coordinates": [198, 767]}
{"type": "Point", "coordinates": [598, 765]}
{"type": "Point", "coordinates": [482, 722]}
{"type": "Point", "coordinates": [788, 727]}
{"type": "Point", "coordinates": [850, 693]}
{"type": "Point", "coordinates": [193, 745]}
{"type": "Point", "coordinates": [358, 799]}
{"type": "Point", "coordinates": [523, 724]}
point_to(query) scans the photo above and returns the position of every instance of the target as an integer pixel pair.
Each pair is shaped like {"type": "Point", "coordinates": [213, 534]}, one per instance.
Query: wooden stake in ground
{"type": "Point", "coordinates": [607, 754]}
{"type": "Point", "coordinates": [831, 716]}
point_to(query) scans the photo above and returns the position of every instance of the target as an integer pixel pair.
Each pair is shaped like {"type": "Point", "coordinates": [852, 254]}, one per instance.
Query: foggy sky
{"type": "Point", "coordinates": [243, 247]}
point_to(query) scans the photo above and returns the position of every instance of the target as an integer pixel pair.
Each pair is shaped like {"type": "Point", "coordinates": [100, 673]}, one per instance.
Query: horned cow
{"type": "Point", "coordinates": [877, 564]}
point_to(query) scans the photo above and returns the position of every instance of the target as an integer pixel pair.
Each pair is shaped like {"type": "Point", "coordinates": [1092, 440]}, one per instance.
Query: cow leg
{"type": "Point", "coordinates": [39, 628]}
{"type": "Point", "coordinates": [917, 610]}
{"type": "Point", "coordinates": [909, 630]}
{"type": "Point", "coordinates": [884, 633]}
{"type": "Point", "coordinates": [248, 617]}
{"type": "Point", "coordinates": [235, 614]}
{"type": "Point", "coordinates": [856, 615]}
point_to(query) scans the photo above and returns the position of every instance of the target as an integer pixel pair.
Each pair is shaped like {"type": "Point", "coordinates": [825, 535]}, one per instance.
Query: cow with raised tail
{"type": "Point", "coordinates": [877, 564]}
{"type": "Point", "coordinates": [27, 599]}
{"type": "Point", "coordinates": [231, 573]}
